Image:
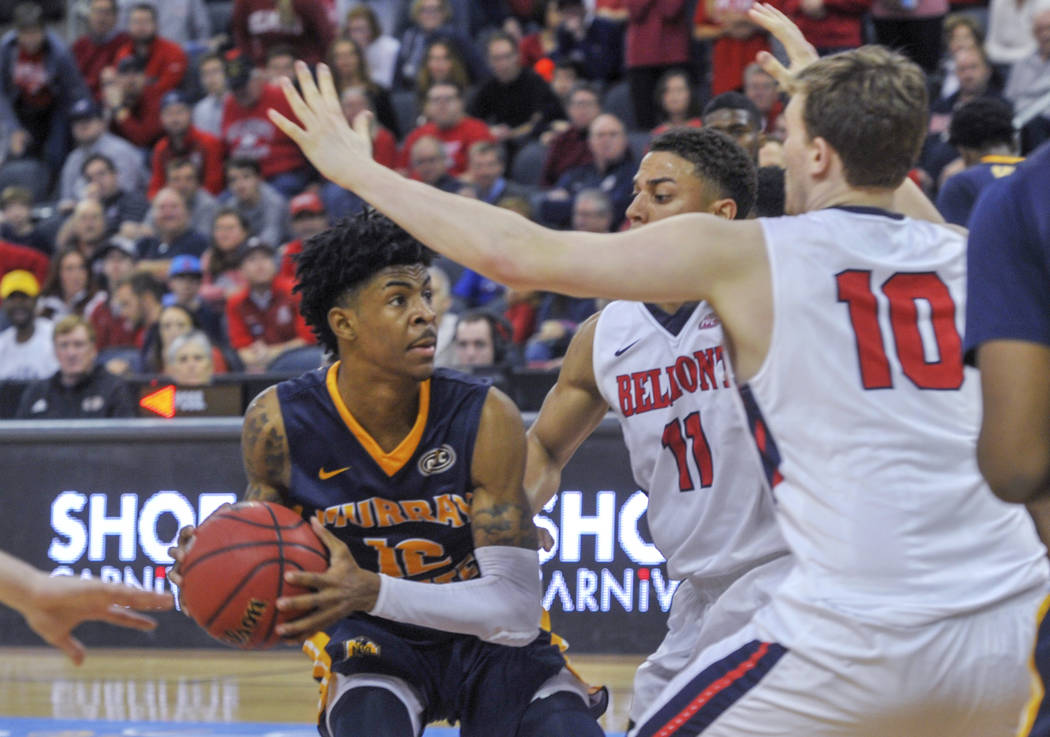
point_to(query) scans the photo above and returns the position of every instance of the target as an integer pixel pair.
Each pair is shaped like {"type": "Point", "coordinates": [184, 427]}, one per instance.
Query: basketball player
{"type": "Point", "coordinates": [54, 605]}
{"type": "Point", "coordinates": [914, 601]}
{"type": "Point", "coordinates": [664, 372]}
{"type": "Point", "coordinates": [416, 474]}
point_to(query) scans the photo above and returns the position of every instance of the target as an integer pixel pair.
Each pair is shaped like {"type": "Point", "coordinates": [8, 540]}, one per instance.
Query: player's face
{"type": "Point", "coordinates": [395, 321]}
{"type": "Point", "coordinates": [665, 185]}
{"type": "Point", "coordinates": [796, 144]}
{"type": "Point", "coordinates": [736, 124]}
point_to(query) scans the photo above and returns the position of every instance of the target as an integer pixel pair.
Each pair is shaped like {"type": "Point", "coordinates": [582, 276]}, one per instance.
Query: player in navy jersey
{"type": "Point", "coordinates": [412, 477]}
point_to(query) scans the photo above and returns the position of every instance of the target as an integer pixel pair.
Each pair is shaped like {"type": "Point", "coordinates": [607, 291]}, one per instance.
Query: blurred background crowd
{"type": "Point", "coordinates": [150, 211]}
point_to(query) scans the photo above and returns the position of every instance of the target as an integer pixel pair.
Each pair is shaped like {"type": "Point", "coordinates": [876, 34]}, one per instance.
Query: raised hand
{"type": "Point", "coordinates": [339, 152]}
{"type": "Point", "coordinates": [800, 51]}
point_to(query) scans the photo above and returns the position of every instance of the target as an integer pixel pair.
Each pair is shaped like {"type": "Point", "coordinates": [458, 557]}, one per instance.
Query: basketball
{"type": "Point", "coordinates": [233, 573]}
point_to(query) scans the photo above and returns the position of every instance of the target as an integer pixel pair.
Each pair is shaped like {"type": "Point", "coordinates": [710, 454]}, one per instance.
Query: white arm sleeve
{"type": "Point", "coordinates": [502, 606]}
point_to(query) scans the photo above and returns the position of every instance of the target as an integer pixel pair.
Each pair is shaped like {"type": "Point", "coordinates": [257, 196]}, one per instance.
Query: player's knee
{"type": "Point", "coordinates": [562, 714]}
{"type": "Point", "coordinates": [370, 712]}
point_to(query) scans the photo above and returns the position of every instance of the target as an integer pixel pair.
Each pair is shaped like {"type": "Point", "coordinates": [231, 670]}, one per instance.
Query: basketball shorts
{"type": "Point", "coordinates": [981, 674]}
{"type": "Point", "coordinates": [704, 611]}
{"type": "Point", "coordinates": [438, 675]}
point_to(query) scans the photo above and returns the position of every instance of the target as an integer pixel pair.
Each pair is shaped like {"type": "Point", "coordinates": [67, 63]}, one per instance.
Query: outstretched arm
{"type": "Point", "coordinates": [54, 605]}
{"type": "Point", "coordinates": [571, 411]}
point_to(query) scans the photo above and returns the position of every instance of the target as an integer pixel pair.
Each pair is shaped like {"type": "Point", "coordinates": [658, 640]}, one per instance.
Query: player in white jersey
{"type": "Point", "coordinates": [917, 597]}
{"type": "Point", "coordinates": [664, 372]}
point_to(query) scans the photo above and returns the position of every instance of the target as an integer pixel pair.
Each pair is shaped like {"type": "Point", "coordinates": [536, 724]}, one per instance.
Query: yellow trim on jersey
{"type": "Point", "coordinates": [396, 459]}
{"type": "Point", "coordinates": [322, 671]}
{"type": "Point", "coordinates": [1037, 690]}
{"type": "Point", "coordinates": [1000, 159]}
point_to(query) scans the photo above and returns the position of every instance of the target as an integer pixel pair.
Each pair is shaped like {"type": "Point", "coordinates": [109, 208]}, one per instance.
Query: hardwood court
{"type": "Point", "coordinates": [207, 685]}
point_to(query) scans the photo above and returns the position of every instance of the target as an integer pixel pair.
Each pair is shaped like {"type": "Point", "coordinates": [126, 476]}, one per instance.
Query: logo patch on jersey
{"type": "Point", "coordinates": [361, 647]}
{"type": "Point", "coordinates": [325, 475]}
{"type": "Point", "coordinates": [437, 460]}
{"type": "Point", "coordinates": [709, 322]}
{"type": "Point", "coordinates": [626, 348]}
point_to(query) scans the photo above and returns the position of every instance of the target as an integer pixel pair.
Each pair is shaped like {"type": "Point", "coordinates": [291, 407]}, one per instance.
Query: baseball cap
{"type": "Point", "coordinates": [257, 244]}
{"type": "Point", "coordinates": [84, 109]}
{"type": "Point", "coordinates": [185, 264]}
{"type": "Point", "coordinates": [174, 97]}
{"type": "Point", "coordinates": [307, 202]}
{"type": "Point", "coordinates": [19, 280]}
{"type": "Point", "coordinates": [238, 69]}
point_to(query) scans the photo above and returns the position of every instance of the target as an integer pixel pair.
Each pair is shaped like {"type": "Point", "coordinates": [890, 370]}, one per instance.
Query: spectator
{"type": "Point", "coordinates": [124, 211]}
{"type": "Point", "coordinates": [542, 44]}
{"type": "Point", "coordinates": [185, 279]}
{"type": "Point", "coordinates": [442, 63]}
{"type": "Point", "coordinates": [1010, 37]}
{"type": "Point", "coordinates": [564, 79]}
{"type": "Point", "coordinates": [982, 131]}
{"type": "Point", "coordinates": [516, 103]}
{"type": "Point", "coordinates": [264, 319]}
{"type": "Point", "coordinates": [737, 117]}
{"type": "Point", "coordinates": [280, 62]}
{"type": "Point", "coordinates": [303, 25]}
{"type": "Point", "coordinates": [308, 219]}
{"type": "Point", "coordinates": [97, 49]}
{"type": "Point", "coordinates": [762, 90]}
{"type": "Point", "coordinates": [961, 30]}
{"type": "Point", "coordinates": [657, 40]}
{"type": "Point", "coordinates": [677, 103]}
{"type": "Point", "coordinates": [173, 322]}
{"type": "Point", "coordinates": [265, 209]}
{"type": "Point", "coordinates": [39, 82]}
{"type": "Point", "coordinates": [248, 133]}
{"type": "Point", "coordinates": [190, 359]}
{"type": "Point", "coordinates": [182, 140]}
{"type": "Point", "coordinates": [85, 229]}
{"type": "Point", "coordinates": [480, 340]}
{"type": "Point", "coordinates": [384, 146]}
{"type": "Point", "coordinates": [447, 122]}
{"type": "Point", "coordinates": [735, 40]}
{"type": "Point", "coordinates": [183, 176]}
{"type": "Point", "coordinates": [830, 25]}
{"type": "Point", "coordinates": [612, 171]}
{"type": "Point", "coordinates": [173, 234]}
{"type": "Point", "coordinates": [80, 388]}
{"type": "Point", "coordinates": [164, 61]}
{"type": "Point", "coordinates": [429, 164]}
{"type": "Point", "coordinates": [14, 256]}
{"type": "Point", "coordinates": [16, 207]}
{"type": "Point", "coordinates": [26, 350]}
{"type": "Point", "coordinates": [222, 261]}
{"type": "Point", "coordinates": [444, 318]}
{"type": "Point", "coordinates": [486, 166]}
{"type": "Point", "coordinates": [363, 26]}
{"type": "Point", "coordinates": [139, 300]}
{"type": "Point", "coordinates": [1030, 79]}
{"type": "Point", "coordinates": [569, 148]}
{"type": "Point", "coordinates": [350, 69]}
{"type": "Point", "coordinates": [207, 112]}
{"type": "Point", "coordinates": [69, 288]}
{"type": "Point", "coordinates": [593, 46]}
{"type": "Point", "coordinates": [133, 112]}
{"type": "Point", "coordinates": [91, 137]}
{"type": "Point", "coordinates": [913, 27]}
{"type": "Point", "coordinates": [431, 19]}
{"type": "Point", "coordinates": [185, 22]}
{"type": "Point", "coordinates": [117, 259]}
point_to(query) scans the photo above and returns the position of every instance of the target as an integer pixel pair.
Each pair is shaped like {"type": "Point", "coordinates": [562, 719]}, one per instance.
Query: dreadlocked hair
{"type": "Point", "coordinates": [337, 261]}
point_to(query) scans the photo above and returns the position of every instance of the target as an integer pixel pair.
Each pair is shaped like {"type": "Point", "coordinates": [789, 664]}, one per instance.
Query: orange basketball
{"type": "Point", "coordinates": [233, 573]}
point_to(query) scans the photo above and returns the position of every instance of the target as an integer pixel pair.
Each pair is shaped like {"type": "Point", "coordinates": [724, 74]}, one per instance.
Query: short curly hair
{"type": "Point", "coordinates": [717, 159]}
{"type": "Point", "coordinates": [981, 123]}
{"type": "Point", "coordinates": [335, 262]}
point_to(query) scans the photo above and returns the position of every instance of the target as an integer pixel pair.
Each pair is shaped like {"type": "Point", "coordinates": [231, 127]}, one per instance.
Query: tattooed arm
{"type": "Point", "coordinates": [264, 447]}
{"type": "Point", "coordinates": [502, 606]}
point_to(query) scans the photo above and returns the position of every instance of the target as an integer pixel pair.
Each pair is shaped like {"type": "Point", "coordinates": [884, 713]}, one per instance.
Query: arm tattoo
{"type": "Point", "coordinates": [265, 451]}
{"type": "Point", "coordinates": [504, 523]}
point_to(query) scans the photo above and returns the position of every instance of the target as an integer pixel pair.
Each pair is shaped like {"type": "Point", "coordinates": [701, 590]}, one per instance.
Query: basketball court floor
{"type": "Point", "coordinates": [200, 693]}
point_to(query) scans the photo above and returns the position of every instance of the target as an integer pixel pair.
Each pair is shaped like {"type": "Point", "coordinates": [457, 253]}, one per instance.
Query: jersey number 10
{"type": "Point", "coordinates": [903, 291]}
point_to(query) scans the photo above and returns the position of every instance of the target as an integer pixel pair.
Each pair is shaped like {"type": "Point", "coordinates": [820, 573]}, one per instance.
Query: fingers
{"type": "Point", "coordinates": [307, 579]}
{"type": "Point", "coordinates": [127, 618]}
{"type": "Point", "coordinates": [772, 66]}
{"type": "Point", "coordinates": [142, 600]}
{"type": "Point", "coordinates": [333, 543]}
{"type": "Point", "coordinates": [329, 94]}
{"type": "Point", "coordinates": [301, 628]}
{"type": "Point", "coordinates": [311, 95]}
{"type": "Point", "coordinates": [287, 127]}
{"type": "Point", "coordinates": [71, 646]}
{"type": "Point", "coordinates": [304, 602]}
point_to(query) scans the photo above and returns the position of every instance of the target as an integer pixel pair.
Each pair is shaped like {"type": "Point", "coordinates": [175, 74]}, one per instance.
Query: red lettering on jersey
{"type": "Point", "coordinates": [418, 510]}
{"type": "Point", "coordinates": [660, 399]}
{"type": "Point", "coordinates": [642, 401]}
{"type": "Point", "coordinates": [623, 386]}
{"type": "Point", "coordinates": [705, 359]}
{"type": "Point", "coordinates": [387, 512]}
{"type": "Point", "coordinates": [685, 372]}
{"type": "Point", "coordinates": [721, 358]}
{"type": "Point", "coordinates": [676, 391]}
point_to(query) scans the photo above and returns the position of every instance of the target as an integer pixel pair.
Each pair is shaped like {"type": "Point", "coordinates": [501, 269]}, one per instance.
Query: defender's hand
{"type": "Point", "coordinates": [801, 52]}
{"type": "Point", "coordinates": [339, 152]}
{"type": "Point", "coordinates": [178, 553]}
{"type": "Point", "coordinates": [341, 590]}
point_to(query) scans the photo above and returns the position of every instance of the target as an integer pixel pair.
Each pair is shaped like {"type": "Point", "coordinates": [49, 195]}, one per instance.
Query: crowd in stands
{"type": "Point", "coordinates": [150, 211]}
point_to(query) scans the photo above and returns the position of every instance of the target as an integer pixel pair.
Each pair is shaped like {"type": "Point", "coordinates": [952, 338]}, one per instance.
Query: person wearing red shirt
{"type": "Point", "coordinates": [183, 141]}
{"type": "Point", "coordinates": [736, 40]}
{"type": "Point", "coordinates": [308, 219]}
{"type": "Point", "coordinates": [304, 25]}
{"type": "Point", "coordinates": [264, 320]}
{"type": "Point", "coordinates": [447, 121]}
{"type": "Point", "coordinates": [165, 61]}
{"type": "Point", "coordinates": [134, 113]}
{"type": "Point", "coordinates": [830, 25]}
{"type": "Point", "coordinates": [98, 48]}
{"type": "Point", "coordinates": [248, 133]}
{"type": "Point", "coordinates": [657, 40]}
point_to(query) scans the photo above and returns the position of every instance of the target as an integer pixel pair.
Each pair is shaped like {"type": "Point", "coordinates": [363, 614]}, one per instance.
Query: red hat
{"type": "Point", "coordinates": [307, 202]}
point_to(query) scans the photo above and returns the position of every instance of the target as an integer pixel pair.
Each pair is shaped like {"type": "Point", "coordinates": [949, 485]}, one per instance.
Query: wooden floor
{"type": "Point", "coordinates": [206, 685]}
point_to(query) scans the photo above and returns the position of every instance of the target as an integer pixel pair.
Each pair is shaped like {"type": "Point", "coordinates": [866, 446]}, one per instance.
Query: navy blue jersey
{"type": "Point", "coordinates": [959, 194]}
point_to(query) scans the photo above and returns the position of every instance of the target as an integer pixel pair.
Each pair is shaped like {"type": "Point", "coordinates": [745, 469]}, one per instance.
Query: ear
{"type": "Point", "coordinates": [343, 322]}
{"type": "Point", "coordinates": [724, 208]}
{"type": "Point", "coordinates": [820, 158]}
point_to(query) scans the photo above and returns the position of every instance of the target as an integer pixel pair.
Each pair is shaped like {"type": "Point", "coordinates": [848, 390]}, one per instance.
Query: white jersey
{"type": "Point", "coordinates": [869, 422]}
{"type": "Point", "coordinates": [670, 384]}
{"type": "Point", "coordinates": [34, 359]}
